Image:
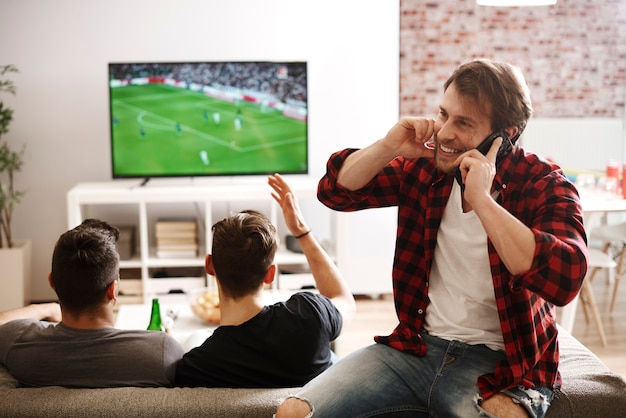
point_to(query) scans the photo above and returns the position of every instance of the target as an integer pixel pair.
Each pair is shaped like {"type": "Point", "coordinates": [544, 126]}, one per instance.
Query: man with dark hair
{"type": "Point", "coordinates": [83, 349]}
{"type": "Point", "coordinates": [488, 242]}
{"type": "Point", "coordinates": [281, 345]}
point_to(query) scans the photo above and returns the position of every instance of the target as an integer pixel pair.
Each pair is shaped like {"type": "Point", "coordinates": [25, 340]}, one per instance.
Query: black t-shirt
{"type": "Point", "coordinates": [285, 345]}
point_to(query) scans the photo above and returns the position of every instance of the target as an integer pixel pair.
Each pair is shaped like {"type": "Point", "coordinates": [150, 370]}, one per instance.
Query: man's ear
{"type": "Point", "coordinates": [270, 275]}
{"type": "Point", "coordinates": [511, 132]}
{"type": "Point", "coordinates": [50, 281]}
{"type": "Point", "coordinates": [208, 265]}
{"type": "Point", "coordinates": [112, 290]}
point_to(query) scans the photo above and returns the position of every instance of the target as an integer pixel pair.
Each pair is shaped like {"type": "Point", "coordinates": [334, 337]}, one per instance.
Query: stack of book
{"type": "Point", "coordinates": [176, 238]}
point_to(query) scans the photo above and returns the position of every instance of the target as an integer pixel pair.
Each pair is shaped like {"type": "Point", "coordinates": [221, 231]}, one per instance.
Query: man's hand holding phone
{"type": "Point", "coordinates": [477, 171]}
{"type": "Point", "coordinates": [503, 148]}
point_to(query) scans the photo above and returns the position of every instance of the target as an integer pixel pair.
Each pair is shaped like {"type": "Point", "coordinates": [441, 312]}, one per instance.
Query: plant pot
{"type": "Point", "coordinates": [15, 280]}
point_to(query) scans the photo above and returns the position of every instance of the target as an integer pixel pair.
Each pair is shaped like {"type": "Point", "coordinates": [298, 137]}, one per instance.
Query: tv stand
{"type": "Point", "coordinates": [144, 182]}
{"type": "Point", "coordinates": [145, 267]}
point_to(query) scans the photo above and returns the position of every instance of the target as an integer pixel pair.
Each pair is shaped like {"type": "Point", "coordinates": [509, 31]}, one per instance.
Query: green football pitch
{"type": "Point", "coordinates": [160, 130]}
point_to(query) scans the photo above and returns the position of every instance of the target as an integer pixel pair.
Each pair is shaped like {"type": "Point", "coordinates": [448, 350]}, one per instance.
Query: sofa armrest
{"type": "Point", "coordinates": [589, 388]}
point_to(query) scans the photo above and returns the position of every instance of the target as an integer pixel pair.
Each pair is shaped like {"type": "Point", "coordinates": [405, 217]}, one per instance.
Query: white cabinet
{"type": "Point", "coordinates": [361, 243]}
{"type": "Point", "coordinates": [365, 248]}
{"type": "Point", "coordinates": [141, 206]}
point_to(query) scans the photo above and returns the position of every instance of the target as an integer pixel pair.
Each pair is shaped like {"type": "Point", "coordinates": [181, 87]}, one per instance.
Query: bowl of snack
{"type": "Point", "coordinates": [205, 304]}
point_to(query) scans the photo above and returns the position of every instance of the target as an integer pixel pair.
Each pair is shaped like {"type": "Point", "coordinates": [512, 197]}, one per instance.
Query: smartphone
{"type": "Point", "coordinates": [484, 147]}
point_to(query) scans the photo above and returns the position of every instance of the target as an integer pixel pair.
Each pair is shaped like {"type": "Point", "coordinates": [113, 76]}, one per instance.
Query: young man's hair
{"type": "Point", "coordinates": [85, 262]}
{"type": "Point", "coordinates": [498, 88]}
{"type": "Point", "coordinates": [244, 246]}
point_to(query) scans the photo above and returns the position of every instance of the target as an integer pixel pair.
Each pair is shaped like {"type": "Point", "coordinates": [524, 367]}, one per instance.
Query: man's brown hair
{"type": "Point", "coordinates": [244, 246]}
{"type": "Point", "coordinates": [85, 262]}
{"type": "Point", "coordinates": [498, 88]}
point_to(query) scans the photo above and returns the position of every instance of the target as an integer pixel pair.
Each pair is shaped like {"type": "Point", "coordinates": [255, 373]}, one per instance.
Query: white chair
{"type": "Point", "coordinates": [613, 238]}
{"type": "Point", "coordinates": [598, 259]}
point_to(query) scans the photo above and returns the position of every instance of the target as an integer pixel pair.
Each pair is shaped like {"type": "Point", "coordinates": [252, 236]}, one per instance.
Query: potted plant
{"type": "Point", "coordinates": [15, 256]}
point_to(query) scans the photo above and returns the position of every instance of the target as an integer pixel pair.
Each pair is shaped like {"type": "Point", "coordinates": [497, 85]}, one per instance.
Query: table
{"type": "Point", "coordinates": [595, 209]}
{"type": "Point", "coordinates": [188, 329]}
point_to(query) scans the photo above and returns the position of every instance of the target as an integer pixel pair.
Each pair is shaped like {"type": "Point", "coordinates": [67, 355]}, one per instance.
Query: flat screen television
{"type": "Point", "coordinates": [172, 119]}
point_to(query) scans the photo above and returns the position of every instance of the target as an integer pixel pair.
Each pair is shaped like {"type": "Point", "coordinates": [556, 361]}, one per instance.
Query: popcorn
{"type": "Point", "coordinates": [207, 307]}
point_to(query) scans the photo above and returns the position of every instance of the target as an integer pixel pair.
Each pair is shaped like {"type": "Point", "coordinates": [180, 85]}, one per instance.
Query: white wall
{"type": "Point", "coordinates": [62, 49]}
{"type": "Point", "coordinates": [585, 144]}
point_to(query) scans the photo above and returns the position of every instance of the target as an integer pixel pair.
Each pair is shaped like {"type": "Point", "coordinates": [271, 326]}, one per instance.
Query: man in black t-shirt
{"type": "Point", "coordinates": [281, 345]}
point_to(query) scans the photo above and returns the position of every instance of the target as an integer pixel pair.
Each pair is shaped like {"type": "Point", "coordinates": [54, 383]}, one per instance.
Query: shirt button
{"type": "Point", "coordinates": [419, 311]}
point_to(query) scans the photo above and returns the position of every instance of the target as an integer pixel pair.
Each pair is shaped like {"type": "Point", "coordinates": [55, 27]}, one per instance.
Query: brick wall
{"type": "Point", "coordinates": [573, 54]}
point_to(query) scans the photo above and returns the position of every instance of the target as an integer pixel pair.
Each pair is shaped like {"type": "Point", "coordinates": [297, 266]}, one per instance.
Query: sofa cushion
{"type": "Point", "coordinates": [6, 380]}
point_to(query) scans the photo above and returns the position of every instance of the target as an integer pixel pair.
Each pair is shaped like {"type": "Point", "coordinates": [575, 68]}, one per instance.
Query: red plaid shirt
{"type": "Point", "coordinates": [535, 192]}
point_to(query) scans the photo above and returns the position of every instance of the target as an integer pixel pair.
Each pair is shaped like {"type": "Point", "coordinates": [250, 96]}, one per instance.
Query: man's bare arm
{"type": "Point", "coordinates": [328, 279]}
{"type": "Point", "coordinates": [41, 311]}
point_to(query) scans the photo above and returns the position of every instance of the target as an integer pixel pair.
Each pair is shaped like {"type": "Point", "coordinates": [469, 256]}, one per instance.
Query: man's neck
{"type": "Point", "coordinates": [101, 318]}
{"type": "Point", "coordinates": [236, 312]}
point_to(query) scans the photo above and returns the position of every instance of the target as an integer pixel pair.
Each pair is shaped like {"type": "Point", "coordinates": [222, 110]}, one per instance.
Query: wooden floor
{"type": "Point", "coordinates": [377, 317]}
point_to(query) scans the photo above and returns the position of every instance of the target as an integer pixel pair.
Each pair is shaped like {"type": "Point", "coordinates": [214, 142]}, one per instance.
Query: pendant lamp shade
{"type": "Point", "coordinates": [515, 3]}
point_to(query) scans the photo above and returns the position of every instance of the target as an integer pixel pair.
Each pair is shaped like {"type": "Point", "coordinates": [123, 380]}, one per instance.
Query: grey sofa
{"type": "Point", "coordinates": [589, 390]}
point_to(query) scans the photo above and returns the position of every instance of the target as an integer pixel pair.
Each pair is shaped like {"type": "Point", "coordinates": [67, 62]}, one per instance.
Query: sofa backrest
{"type": "Point", "coordinates": [56, 401]}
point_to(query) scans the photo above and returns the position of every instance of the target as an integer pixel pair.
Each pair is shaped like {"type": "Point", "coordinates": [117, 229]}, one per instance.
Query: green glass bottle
{"type": "Point", "coordinates": [155, 317]}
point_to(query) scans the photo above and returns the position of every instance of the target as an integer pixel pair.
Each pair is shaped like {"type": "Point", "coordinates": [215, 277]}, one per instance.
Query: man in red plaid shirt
{"type": "Point", "coordinates": [486, 246]}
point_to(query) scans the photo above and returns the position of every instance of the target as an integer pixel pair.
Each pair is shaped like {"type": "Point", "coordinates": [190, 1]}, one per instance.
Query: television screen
{"type": "Point", "coordinates": [208, 118]}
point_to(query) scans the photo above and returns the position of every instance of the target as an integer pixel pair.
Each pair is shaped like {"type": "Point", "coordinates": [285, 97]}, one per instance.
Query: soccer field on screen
{"type": "Point", "coordinates": [161, 130]}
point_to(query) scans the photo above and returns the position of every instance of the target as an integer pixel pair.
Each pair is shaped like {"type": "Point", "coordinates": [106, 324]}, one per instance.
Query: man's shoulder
{"type": "Point", "coordinates": [43, 329]}
{"type": "Point", "coordinates": [21, 323]}
{"type": "Point", "coordinates": [525, 166]}
{"type": "Point", "coordinates": [315, 301]}
{"type": "Point", "coordinates": [24, 325]}
{"type": "Point", "coordinates": [534, 161]}
{"type": "Point", "coordinates": [309, 297]}
{"type": "Point", "coordinates": [148, 337]}
{"type": "Point", "coordinates": [112, 337]}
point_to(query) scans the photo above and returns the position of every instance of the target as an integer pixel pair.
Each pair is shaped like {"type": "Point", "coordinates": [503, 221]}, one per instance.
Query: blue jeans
{"type": "Point", "coordinates": [381, 381]}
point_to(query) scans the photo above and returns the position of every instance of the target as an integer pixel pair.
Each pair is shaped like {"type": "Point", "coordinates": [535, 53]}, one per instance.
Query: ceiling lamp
{"type": "Point", "coordinates": [515, 3]}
